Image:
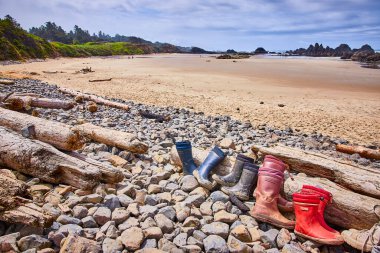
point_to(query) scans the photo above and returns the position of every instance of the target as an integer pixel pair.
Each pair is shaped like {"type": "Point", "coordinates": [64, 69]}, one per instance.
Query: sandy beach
{"type": "Point", "coordinates": [324, 95]}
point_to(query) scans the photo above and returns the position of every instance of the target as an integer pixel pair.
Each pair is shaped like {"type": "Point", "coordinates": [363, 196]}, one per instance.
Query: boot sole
{"type": "Point", "coordinates": [319, 240]}
{"type": "Point", "coordinates": [269, 220]}
{"type": "Point", "coordinates": [222, 183]}
{"type": "Point", "coordinates": [208, 184]}
{"type": "Point", "coordinates": [241, 197]}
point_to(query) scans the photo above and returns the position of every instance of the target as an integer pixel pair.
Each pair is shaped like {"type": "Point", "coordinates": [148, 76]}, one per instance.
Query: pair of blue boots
{"type": "Point", "coordinates": [202, 172]}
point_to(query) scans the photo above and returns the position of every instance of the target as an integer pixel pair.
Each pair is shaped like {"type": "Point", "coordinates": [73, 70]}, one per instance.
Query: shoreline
{"type": "Point", "coordinates": [349, 95]}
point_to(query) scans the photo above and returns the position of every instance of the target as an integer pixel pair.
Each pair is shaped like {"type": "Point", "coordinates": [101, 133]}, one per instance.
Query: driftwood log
{"type": "Point", "coordinates": [111, 137]}
{"type": "Point", "coordinates": [100, 80]}
{"type": "Point", "coordinates": [110, 174]}
{"type": "Point", "coordinates": [362, 151]}
{"type": "Point", "coordinates": [348, 209]}
{"type": "Point", "coordinates": [57, 134]}
{"type": "Point", "coordinates": [15, 207]}
{"type": "Point", "coordinates": [357, 178]}
{"type": "Point", "coordinates": [41, 160]}
{"type": "Point", "coordinates": [199, 156]}
{"type": "Point", "coordinates": [7, 82]}
{"type": "Point", "coordinates": [19, 101]}
{"type": "Point", "coordinates": [96, 99]}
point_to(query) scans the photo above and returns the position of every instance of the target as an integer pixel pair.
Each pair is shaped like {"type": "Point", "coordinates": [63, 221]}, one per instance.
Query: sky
{"type": "Point", "coordinates": [242, 25]}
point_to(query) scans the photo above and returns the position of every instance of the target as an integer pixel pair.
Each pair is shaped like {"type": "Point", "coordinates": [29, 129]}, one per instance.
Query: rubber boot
{"type": "Point", "coordinates": [243, 188]}
{"type": "Point", "coordinates": [308, 223]}
{"type": "Point", "coordinates": [274, 164]}
{"type": "Point", "coordinates": [186, 156]}
{"type": "Point", "coordinates": [267, 193]}
{"type": "Point", "coordinates": [215, 156]}
{"type": "Point", "coordinates": [233, 177]}
{"type": "Point", "coordinates": [326, 198]}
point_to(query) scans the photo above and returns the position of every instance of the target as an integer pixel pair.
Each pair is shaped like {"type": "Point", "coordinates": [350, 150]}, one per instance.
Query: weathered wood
{"type": "Point", "coordinates": [360, 179]}
{"type": "Point", "coordinates": [14, 205]}
{"type": "Point", "coordinates": [110, 174]}
{"type": "Point", "coordinates": [41, 160]}
{"type": "Point", "coordinates": [199, 156]}
{"type": "Point", "coordinates": [25, 102]}
{"type": "Point", "coordinates": [96, 99]}
{"type": "Point", "coordinates": [59, 135]}
{"type": "Point", "coordinates": [111, 137]}
{"type": "Point", "coordinates": [362, 151]}
{"type": "Point", "coordinates": [100, 80]}
{"type": "Point", "coordinates": [348, 209]}
{"type": "Point", "coordinates": [7, 82]}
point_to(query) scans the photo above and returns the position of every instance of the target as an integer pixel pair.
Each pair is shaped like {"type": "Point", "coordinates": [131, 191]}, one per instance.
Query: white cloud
{"type": "Point", "coordinates": [211, 23]}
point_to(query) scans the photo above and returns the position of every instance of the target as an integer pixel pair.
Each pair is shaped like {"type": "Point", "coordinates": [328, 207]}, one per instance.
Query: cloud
{"type": "Point", "coordinates": [213, 24]}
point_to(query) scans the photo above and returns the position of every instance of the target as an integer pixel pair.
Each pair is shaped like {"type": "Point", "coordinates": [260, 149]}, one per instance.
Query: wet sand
{"type": "Point", "coordinates": [324, 95]}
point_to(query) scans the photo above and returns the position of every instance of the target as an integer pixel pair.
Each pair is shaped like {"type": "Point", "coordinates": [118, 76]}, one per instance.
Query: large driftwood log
{"type": "Point", "coordinates": [199, 156]}
{"type": "Point", "coordinates": [21, 101]}
{"type": "Point", "coordinates": [111, 137]}
{"type": "Point", "coordinates": [360, 179]}
{"type": "Point", "coordinates": [41, 160]}
{"type": "Point", "coordinates": [362, 151]}
{"type": "Point", "coordinates": [96, 99]}
{"type": "Point", "coordinates": [7, 82]}
{"type": "Point", "coordinates": [14, 205]}
{"type": "Point", "coordinates": [110, 174]}
{"type": "Point", "coordinates": [348, 209]}
{"type": "Point", "coordinates": [57, 134]}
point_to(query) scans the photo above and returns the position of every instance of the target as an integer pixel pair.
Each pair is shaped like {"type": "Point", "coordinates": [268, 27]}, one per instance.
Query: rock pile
{"type": "Point", "coordinates": [155, 208]}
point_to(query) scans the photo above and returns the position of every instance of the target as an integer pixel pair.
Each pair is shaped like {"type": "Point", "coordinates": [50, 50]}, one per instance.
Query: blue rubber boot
{"type": "Point", "coordinates": [215, 157]}
{"type": "Point", "coordinates": [186, 156]}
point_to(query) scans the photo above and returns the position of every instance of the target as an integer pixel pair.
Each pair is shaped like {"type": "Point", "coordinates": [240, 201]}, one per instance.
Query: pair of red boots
{"type": "Point", "coordinates": [309, 205]}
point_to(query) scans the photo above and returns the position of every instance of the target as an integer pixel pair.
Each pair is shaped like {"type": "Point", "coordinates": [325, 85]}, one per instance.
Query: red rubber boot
{"type": "Point", "coordinates": [326, 198]}
{"type": "Point", "coordinates": [307, 220]}
{"type": "Point", "coordinates": [276, 165]}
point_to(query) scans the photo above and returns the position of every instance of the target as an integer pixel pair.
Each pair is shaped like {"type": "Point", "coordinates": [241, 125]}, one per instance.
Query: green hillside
{"type": "Point", "coordinates": [17, 44]}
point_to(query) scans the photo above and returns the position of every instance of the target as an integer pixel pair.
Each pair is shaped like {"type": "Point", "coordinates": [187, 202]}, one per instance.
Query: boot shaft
{"type": "Point", "coordinates": [325, 196]}
{"type": "Point", "coordinates": [269, 185]}
{"type": "Point", "coordinates": [235, 174]}
{"type": "Point", "coordinates": [185, 154]}
{"type": "Point", "coordinates": [274, 163]}
{"type": "Point", "coordinates": [249, 175]}
{"type": "Point", "coordinates": [306, 210]}
{"type": "Point", "coordinates": [215, 157]}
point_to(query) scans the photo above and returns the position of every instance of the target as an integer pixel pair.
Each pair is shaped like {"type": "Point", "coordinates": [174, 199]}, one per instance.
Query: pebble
{"type": "Point", "coordinates": [132, 238]}
{"type": "Point", "coordinates": [216, 228]}
{"type": "Point", "coordinates": [215, 243]}
{"type": "Point", "coordinates": [270, 237]}
{"type": "Point", "coordinates": [33, 242]}
{"type": "Point", "coordinates": [189, 183]}
{"type": "Point", "coordinates": [225, 217]}
{"type": "Point", "coordinates": [102, 215]}
{"type": "Point", "coordinates": [163, 222]}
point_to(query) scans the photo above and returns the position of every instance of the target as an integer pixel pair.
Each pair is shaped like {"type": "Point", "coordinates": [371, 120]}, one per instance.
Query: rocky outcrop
{"type": "Point", "coordinates": [260, 50]}
{"type": "Point", "coordinates": [363, 54]}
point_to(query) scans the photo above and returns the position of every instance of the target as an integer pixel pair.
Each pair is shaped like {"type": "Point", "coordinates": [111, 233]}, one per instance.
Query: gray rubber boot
{"type": "Point", "coordinates": [233, 177]}
{"type": "Point", "coordinates": [243, 189]}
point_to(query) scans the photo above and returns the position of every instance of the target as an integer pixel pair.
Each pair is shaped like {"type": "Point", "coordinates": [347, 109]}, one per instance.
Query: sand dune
{"type": "Point", "coordinates": [325, 95]}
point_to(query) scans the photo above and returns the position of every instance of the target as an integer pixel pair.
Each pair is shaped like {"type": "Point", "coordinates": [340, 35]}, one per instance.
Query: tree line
{"type": "Point", "coordinates": [52, 32]}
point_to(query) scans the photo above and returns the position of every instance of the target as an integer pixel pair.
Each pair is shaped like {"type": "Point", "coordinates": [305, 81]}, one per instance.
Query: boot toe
{"type": "Point", "coordinates": [204, 182]}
